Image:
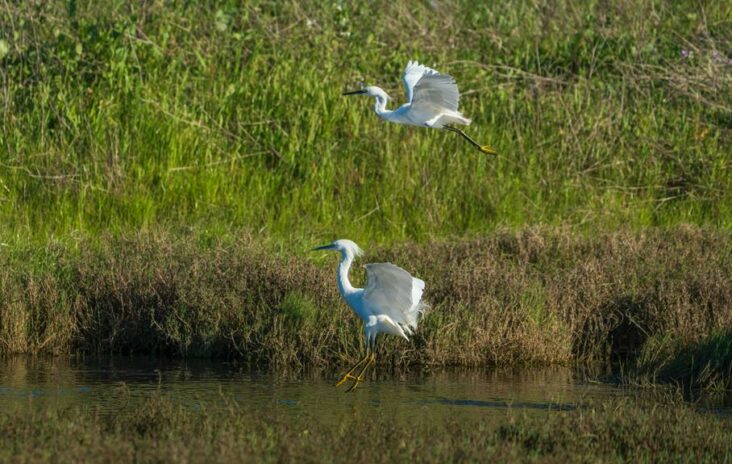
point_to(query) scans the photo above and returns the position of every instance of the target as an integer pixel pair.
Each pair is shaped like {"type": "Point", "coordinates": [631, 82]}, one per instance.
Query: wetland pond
{"type": "Point", "coordinates": [113, 384]}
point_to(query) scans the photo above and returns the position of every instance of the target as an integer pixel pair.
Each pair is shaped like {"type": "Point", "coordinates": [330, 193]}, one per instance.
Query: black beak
{"type": "Point", "coordinates": [356, 92]}
{"type": "Point", "coordinates": [324, 247]}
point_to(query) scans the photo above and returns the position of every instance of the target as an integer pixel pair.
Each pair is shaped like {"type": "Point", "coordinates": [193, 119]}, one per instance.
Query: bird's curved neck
{"type": "Point", "coordinates": [344, 285]}
{"type": "Point", "coordinates": [380, 108]}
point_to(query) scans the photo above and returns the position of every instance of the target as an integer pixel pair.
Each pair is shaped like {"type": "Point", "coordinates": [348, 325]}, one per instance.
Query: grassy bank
{"type": "Point", "coordinates": [162, 164]}
{"type": "Point", "coordinates": [221, 116]}
{"type": "Point", "coordinates": [542, 295]}
{"type": "Point", "coordinates": [162, 430]}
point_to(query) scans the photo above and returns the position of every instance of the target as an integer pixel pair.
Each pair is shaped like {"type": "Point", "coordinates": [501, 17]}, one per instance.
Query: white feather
{"type": "Point", "coordinates": [392, 300]}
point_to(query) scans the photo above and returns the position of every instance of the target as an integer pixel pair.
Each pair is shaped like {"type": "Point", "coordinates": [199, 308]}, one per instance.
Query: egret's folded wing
{"type": "Point", "coordinates": [389, 288]}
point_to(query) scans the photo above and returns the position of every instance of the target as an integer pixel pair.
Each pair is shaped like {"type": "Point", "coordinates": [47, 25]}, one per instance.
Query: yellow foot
{"type": "Point", "coordinates": [355, 384]}
{"type": "Point", "coordinates": [344, 378]}
{"type": "Point", "coordinates": [349, 374]}
{"type": "Point", "coordinates": [361, 375]}
{"type": "Point", "coordinates": [488, 150]}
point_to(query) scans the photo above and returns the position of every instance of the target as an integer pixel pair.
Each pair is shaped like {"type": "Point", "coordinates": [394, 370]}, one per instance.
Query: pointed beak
{"type": "Point", "coordinates": [356, 92]}
{"type": "Point", "coordinates": [330, 246]}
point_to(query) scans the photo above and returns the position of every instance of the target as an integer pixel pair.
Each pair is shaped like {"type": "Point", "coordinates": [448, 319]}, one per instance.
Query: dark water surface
{"type": "Point", "coordinates": [113, 384]}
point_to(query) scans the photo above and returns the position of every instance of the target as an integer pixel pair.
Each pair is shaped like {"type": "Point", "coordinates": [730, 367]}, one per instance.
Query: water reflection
{"type": "Point", "coordinates": [116, 383]}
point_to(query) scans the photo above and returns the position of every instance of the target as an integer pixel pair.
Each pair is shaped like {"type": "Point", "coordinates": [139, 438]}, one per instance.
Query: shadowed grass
{"type": "Point", "coordinates": [705, 363]}
{"type": "Point", "coordinates": [162, 430]}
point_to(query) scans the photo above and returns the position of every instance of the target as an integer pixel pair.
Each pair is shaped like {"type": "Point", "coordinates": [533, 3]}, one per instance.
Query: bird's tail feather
{"type": "Point", "coordinates": [453, 117]}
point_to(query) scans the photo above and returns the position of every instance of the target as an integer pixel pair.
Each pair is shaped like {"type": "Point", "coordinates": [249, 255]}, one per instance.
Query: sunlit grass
{"type": "Point", "coordinates": [220, 117]}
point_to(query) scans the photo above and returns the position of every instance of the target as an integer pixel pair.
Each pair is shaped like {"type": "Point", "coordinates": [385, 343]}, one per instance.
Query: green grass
{"type": "Point", "coordinates": [163, 430]}
{"type": "Point", "coordinates": [219, 117]}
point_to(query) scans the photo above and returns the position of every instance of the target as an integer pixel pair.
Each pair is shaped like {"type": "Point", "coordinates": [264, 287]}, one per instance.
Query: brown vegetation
{"type": "Point", "coordinates": [536, 296]}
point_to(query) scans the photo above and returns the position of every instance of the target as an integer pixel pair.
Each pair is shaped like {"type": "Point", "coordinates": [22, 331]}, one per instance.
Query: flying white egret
{"type": "Point", "coordinates": [432, 101]}
{"type": "Point", "coordinates": [389, 304]}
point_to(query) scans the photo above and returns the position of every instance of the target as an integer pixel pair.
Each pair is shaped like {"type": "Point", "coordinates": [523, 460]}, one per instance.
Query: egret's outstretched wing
{"type": "Point", "coordinates": [392, 291]}
{"type": "Point", "coordinates": [412, 74]}
{"type": "Point", "coordinates": [429, 90]}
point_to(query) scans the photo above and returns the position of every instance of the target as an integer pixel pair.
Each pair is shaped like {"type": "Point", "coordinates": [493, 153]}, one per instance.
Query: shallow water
{"type": "Point", "coordinates": [113, 384]}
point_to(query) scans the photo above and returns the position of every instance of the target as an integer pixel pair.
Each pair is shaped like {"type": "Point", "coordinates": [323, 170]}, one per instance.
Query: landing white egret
{"type": "Point", "coordinates": [390, 303]}
{"type": "Point", "coordinates": [432, 101]}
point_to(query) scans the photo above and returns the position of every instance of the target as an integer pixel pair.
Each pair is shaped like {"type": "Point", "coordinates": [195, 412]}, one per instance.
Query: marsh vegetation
{"type": "Point", "coordinates": [163, 430]}
{"type": "Point", "coordinates": [165, 165]}
{"type": "Point", "coordinates": [540, 296]}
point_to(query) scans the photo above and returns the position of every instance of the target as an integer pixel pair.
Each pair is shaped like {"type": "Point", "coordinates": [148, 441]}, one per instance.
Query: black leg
{"type": "Point", "coordinates": [483, 148]}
